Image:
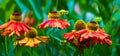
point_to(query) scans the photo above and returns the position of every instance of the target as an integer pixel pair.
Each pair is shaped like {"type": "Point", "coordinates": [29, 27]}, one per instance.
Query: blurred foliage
{"type": "Point", "coordinates": [108, 10]}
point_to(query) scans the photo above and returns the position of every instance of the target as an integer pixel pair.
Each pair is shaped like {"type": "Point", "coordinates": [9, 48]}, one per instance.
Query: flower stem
{"type": "Point", "coordinates": [31, 51]}
{"type": "Point", "coordinates": [53, 42]}
{"type": "Point", "coordinates": [91, 48]}
{"type": "Point", "coordinates": [56, 4]}
{"type": "Point", "coordinates": [6, 49]}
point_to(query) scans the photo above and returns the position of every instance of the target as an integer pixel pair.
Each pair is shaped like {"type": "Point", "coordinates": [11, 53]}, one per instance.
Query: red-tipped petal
{"type": "Point", "coordinates": [44, 24]}
{"type": "Point", "coordinates": [109, 42]}
{"type": "Point", "coordinates": [5, 25]}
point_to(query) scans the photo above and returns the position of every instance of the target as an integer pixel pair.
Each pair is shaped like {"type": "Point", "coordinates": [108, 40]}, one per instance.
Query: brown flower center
{"type": "Point", "coordinates": [92, 26]}
{"type": "Point", "coordinates": [16, 17]}
{"type": "Point", "coordinates": [53, 15]}
{"type": "Point", "coordinates": [31, 33]}
{"type": "Point", "coordinates": [79, 24]}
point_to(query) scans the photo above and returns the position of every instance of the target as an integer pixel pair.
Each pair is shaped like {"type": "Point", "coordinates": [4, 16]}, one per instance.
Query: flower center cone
{"type": "Point", "coordinates": [92, 26]}
{"type": "Point", "coordinates": [53, 15]}
{"type": "Point", "coordinates": [31, 33]}
{"type": "Point", "coordinates": [16, 17]}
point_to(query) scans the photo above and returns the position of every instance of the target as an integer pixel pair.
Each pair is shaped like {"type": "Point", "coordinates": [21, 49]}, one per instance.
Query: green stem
{"type": "Point", "coordinates": [53, 42]}
{"type": "Point", "coordinates": [56, 4]}
{"type": "Point", "coordinates": [62, 16]}
{"type": "Point", "coordinates": [6, 49]}
{"type": "Point", "coordinates": [31, 51]}
{"type": "Point", "coordinates": [91, 48]}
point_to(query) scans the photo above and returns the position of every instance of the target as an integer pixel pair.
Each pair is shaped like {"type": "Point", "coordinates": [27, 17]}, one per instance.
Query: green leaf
{"type": "Point", "coordinates": [48, 52]}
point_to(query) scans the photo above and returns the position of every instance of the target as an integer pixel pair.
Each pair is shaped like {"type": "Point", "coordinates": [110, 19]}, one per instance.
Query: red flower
{"type": "Point", "coordinates": [79, 24]}
{"type": "Point", "coordinates": [14, 26]}
{"type": "Point", "coordinates": [71, 35]}
{"type": "Point", "coordinates": [54, 22]}
{"type": "Point", "coordinates": [94, 34]}
{"type": "Point", "coordinates": [86, 35]}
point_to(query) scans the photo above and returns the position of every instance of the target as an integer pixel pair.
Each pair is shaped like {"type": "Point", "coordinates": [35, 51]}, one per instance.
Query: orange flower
{"type": "Point", "coordinates": [94, 34]}
{"type": "Point", "coordinates": [14, 26]}
{"type": "Point", "coordinates": [54, 21]}
{"type": "Point", "coordinates": [31, 39]}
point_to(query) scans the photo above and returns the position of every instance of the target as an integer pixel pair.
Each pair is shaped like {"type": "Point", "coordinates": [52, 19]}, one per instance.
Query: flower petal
{"type": "Point", "coordinates": [36, 41]}
{"type": "Point", "coordinates": [23, 41]}
{"type": "Point", "coordinates": [44, 39]}
{"type": "Point", "coordinates": [44, 24]}
{"type": "Point", "coordinates": [30, 42]}
{"type": "Point", "coordinates": [25, 27]}
{"type": "Point", "coordinates": [5, 25]}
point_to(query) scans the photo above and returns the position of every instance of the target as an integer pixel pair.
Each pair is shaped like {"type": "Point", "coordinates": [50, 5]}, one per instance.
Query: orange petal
{"type": "Point", "coordinates": [10, 27]}
{"type": "Point", "coordinates": [5, 25]}
{"type": "Point", "coordinates": [59, 24]}
{"type": "Point", "coordinates": [44, 38]}
{"type": "Point", "coordinates": [23, 41]}
{"type": "Point", "coordinates": [81, 39]}
{"type": "Point", "coordinates": [30, 42]}
{"type": "Point", "coordinates": [19, 27]}
{"type": "Point", "coordinates": [11, 33]}
{"type": "Point", "coordinates": [36, 41]}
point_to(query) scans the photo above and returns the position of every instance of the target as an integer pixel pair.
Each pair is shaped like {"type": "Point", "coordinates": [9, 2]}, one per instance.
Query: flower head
{"type": "Point", "coordinates": [54, 21]}
{"type": "Point", "coordinates": [87, 34]}
{"type": "Point", "coordinates": [73, 37]}
{"type": "Point", "coordinates": [62, 12]}
{"type": "Point", "coordinates": [95, 34]}
{"type": "Point", "coordinates": [93, 26]}
{"type": "Point", "coordinates": [14, 26]}
{"type": "Point", "coordinates": [53, 15]}
{"type": "Point", "coordinates": [98, 19]}
{"type": "Point", "coordinates": [16, 17]}
{"type": "Point", "coordinates": [79, 24]}
{"type": "Point", "coordinates": [32, 39]}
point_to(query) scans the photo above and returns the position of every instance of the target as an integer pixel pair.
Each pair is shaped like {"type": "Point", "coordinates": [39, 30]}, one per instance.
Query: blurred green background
{"type": "Point", "coordinates": [87, 10]}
